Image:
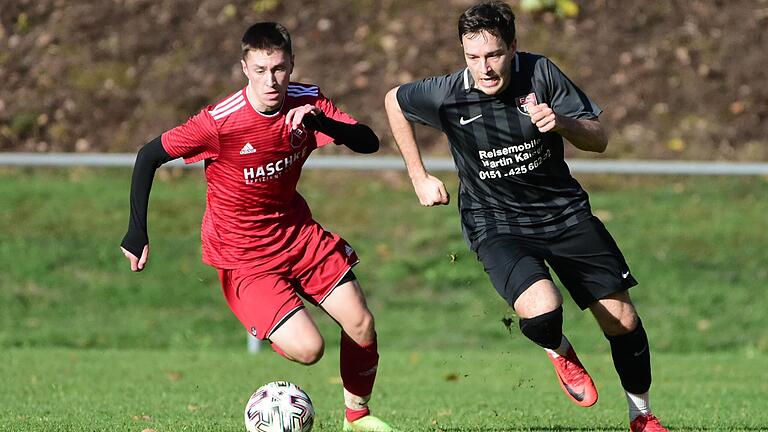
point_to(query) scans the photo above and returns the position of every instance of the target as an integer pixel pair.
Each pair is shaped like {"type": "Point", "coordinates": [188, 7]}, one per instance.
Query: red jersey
{"type": "Point", "coordinates": [252, 165]}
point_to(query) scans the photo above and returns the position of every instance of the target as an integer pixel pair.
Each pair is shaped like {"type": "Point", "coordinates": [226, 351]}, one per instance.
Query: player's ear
{"type": "Point", "coordinates": [290, 69]}
{"type": "Point", "coordinates": [245, 67]}
{"type": "Point", "coordinates": [513, 45]}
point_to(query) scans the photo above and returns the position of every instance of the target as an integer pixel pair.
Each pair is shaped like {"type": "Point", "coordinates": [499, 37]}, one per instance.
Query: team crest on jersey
{"type": "Point", "coordinates": [298, 136]}
{"type": "Point", "coordinates": [524, 101]}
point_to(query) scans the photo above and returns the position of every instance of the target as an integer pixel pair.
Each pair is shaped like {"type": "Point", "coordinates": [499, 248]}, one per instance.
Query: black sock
{"type": "Point", "coordinates": [632, 359]}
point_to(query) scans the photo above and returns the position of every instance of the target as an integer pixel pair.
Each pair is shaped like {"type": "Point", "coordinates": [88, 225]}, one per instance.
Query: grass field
{"type": "Point", "coordinates": [87, 345]}
{"type": "Point", "coordinates": [58, 389]}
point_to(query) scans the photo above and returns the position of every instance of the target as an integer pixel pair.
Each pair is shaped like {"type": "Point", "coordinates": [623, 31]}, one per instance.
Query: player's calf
{"type": "Point", "coordinates": [632, 359]}
{"type": "Point", "coordinates": [358, 365]}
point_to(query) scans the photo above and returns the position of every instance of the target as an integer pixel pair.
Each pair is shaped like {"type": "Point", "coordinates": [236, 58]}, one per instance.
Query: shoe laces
{"type": "Point", "coordinates": [573, 371]}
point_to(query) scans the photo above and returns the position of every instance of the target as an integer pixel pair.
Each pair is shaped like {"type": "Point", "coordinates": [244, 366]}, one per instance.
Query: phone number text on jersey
{"type": "Point", "coordinates": [515, 170]}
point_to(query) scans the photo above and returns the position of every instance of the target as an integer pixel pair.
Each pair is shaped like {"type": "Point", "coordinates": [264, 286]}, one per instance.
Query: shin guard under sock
{"type": "Point", "coordinates": [358, 366]}
{"type": "Point", "coordinates": [632, 359]}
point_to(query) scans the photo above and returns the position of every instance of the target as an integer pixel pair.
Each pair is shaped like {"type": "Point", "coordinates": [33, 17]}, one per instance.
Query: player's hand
{"type": "Point", "coordinates": [543, 117]}
{"type": "Point", "coordinates": [137, 264]}
{"type": "Point", "coordinates": [431, 191]}
{"type": "Point", "coordinates": [296, 115]}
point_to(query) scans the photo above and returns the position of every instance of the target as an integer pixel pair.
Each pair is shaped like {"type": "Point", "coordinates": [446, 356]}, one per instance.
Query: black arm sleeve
{"type": "Point", "coordinates": [149, 158]}
{"type": "Point", "coordinates": [358, 137]}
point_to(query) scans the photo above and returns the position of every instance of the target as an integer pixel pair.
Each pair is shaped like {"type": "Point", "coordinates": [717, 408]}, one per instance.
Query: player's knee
{"type": "Point", "coordinates": [615, 325]}
{"type": "Point", "coordinates": [362, 328]}
{"type": "Point", "coordinates": [546, 330]}
{"type": "Point", "coordinates": [309, 353]}
{"type": "Point", "coordinates": [306, 349]}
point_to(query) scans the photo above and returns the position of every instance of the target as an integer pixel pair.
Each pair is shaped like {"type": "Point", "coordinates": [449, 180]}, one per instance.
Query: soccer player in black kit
{"type": "Point", "coordinates": [505, 116]}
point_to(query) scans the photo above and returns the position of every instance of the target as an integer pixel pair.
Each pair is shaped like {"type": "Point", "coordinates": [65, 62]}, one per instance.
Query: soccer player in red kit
{"type": "Point", "coordinates": [257, 230]}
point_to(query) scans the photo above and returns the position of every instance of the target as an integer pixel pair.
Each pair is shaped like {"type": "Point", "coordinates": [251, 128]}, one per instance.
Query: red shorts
{"type": "Point", "coordinates": [265, 296]}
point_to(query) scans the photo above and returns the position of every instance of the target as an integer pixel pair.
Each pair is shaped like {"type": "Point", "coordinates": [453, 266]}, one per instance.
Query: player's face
{"type": "Point", "coordinates": [489, 60]}
{"type": "Point", "coordinates": [268, 76]}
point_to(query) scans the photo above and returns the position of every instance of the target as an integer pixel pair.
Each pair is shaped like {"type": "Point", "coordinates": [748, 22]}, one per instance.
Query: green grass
{"type": "Point", "coordinates": [87, 345]}
{"type": "Point", "coordinates": [48, 389]}
{"type": "Point", "coordinates": [697, 245]}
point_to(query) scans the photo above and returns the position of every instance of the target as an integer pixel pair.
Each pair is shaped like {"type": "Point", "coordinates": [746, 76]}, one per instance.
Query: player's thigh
{"type": "Point", "coordinates": [514, 264]}
{"type": "Point", "coordinates": [326, 260]}
{"type": "Point", "coordinates": [347, 306]}
{"type": "Point", "coordinates": [326, 279]}
{"type": "Point", "coordinates": [299, 338]}
{"type": "Point", "coordinates": [539, 298]}
{"type": "Point", "coordinates": [325, 276]}
{"type": "Point", "coordinates": [589, 263]}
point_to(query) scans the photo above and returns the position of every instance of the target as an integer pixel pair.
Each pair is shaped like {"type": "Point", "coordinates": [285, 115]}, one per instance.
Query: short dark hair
{"type": "Point", "coordinates": [495, 17]}
{"type": "Point", "coordinates": [267, 36]}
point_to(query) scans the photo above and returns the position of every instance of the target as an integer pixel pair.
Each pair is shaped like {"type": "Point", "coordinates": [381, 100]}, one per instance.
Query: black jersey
{"type": "Point", "coordinates": [513, 178]}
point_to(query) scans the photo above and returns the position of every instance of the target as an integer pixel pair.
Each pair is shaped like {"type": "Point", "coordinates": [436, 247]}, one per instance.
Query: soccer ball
{"type": "Point", "coordinates": [279, 406]}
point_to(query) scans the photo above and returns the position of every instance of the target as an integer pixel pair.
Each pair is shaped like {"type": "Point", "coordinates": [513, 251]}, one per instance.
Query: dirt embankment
{"type": "Point", "coordinates": [677, 79]}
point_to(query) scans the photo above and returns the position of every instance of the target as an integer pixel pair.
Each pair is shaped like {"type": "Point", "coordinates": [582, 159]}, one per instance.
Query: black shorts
{"type": "Point", "coordinates": [584, 256]}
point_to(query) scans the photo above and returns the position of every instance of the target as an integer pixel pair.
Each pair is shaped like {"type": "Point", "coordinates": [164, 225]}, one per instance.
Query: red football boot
{"type": "Point", "coordinates": [574, 379]}
{"type": "Point", "coordinates": [646, 423]}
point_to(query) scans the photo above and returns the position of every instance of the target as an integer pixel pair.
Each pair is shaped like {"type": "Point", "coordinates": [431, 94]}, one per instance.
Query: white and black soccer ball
{"type": "Point", "coordinates": [279, 406]}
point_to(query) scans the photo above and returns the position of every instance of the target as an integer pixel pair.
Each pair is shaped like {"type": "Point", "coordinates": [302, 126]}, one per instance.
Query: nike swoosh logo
{"type": "Point", "coordinates": [469, 120]}
{"type": "Point", "coordinates": [641, 351]}
{"type": "Point", "coordinates": [578, 396]}
{"type": "Point", "coordinates": [625, 275]}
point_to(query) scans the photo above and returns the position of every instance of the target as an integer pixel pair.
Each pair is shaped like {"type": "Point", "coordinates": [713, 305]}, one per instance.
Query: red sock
{"type": "Point", "coordinates": [353, 415]}
{"type": "Point", "coordinates": [358, 372]}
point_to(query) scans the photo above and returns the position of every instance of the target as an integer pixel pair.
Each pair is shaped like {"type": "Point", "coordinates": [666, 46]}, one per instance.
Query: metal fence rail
{"type": "Point", "coordinates": [649, 167]}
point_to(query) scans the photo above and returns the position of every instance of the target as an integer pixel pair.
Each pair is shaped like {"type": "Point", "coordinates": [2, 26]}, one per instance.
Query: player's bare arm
{"type": "Point", "coordinates": [588, 135]}
{"type": "Point", "coordinates": [430, 190]}
{"type": "Point", "coordinates": [356, 136]}
{"type": "Point", "coordinates": [135, 244]}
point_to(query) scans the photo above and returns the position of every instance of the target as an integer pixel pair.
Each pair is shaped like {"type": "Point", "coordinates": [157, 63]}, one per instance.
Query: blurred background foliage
{"type": "Point", "coordinates": [677, 79]}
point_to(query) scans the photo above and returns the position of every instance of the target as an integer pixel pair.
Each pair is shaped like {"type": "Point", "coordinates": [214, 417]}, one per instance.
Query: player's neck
{"type": "Point", "coordinates": [261, 109]}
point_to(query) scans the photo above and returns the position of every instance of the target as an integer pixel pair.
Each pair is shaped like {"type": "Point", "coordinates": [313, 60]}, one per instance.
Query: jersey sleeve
{"type": "Point", "coordinates": [331, 111]}
{"type": "Point", "coordinates": [563, 96]}
{"type": "Point", "coordinates": [195, 140]}
{"type": "Point", "coordinates": [420, 101]}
